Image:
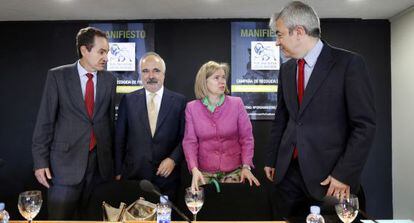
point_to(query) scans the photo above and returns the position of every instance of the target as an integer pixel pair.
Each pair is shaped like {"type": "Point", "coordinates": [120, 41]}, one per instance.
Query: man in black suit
{"type": "Point", "coordinates": [325, 118]}
{"type": "Point", "coordinates": [72, 139]}
{"type": "Point", "coordinates": [149, 130]}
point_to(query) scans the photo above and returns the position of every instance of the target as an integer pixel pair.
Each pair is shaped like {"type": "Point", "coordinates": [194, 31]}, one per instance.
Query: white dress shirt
{"type": "Point", "coordinates": [83, 79]}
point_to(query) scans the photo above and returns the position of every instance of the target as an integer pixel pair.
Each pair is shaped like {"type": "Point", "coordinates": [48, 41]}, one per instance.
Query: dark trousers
{"type": "Point", "coordinates": [290, 198]}
{"type": "Point", "coordinates": [66, 202]}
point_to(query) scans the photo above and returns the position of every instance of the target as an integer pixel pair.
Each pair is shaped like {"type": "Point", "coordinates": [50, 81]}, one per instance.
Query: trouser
{"type": "Point", "coordinates": [66, 202]}
{"type": "Point", "coordinates": [290, 198]}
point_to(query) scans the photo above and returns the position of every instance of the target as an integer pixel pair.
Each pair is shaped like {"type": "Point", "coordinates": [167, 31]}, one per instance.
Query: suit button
{"type": "Point", "coordinates": [300, 123]}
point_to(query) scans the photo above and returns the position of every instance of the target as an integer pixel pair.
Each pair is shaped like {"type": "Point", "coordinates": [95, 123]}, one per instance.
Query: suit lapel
{"type": "Point", "coordinates": [142, 111]}
{"type": "Point", "coordinates": [291, 98]}
{"type": "Point", "coordinates": [74, 89]}
{"type": "Point", "coordinates": [166, 104]}
{"type": "Point", "coordinates": [319, 73]}
{"type": "Point", "coordinates": [100, 91]}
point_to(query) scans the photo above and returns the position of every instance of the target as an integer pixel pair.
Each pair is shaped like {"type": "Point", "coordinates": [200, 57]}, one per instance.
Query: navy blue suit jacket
{"type": "Point", "coordinates": [334, 126]}
{"type": "Point", "coordinates": [137, 153]}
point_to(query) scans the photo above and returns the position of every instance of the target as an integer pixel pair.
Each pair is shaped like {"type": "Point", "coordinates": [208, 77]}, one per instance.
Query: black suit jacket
{"type": "Point", "coordinates": [137, 153]}
{"type": "Point", "coordinates": [334, 126]}
{"type": "Point", "coordinates": [63, 127]}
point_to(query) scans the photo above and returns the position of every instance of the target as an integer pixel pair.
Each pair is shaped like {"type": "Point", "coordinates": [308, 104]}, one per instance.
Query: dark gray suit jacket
{"type": "Point", "coordinates": [334, 126]}
{"type": "Point", "coordinates": [137, 153]}
{"type": "Point", "coordinates": [63, 128]}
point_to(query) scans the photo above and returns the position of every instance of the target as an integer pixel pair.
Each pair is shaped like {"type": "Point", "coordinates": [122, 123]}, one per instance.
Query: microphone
{"type": "Point", "coordinates": [147, 186]}
{"type": "Point", "coordinates": [332, 201]}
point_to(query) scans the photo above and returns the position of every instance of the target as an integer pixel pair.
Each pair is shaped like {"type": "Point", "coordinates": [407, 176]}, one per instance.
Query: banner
{"type": "Point", "coordinates": [127, 43]}
{"type": "Point", "coordinates": [255, 63]}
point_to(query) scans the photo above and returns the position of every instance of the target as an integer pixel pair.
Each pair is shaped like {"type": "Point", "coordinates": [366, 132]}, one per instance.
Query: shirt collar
{"type": "Point", "coordinates": [312, 56]}
{"type": "Point", "coordinates": [160, 92]}
{"type": "Point", "coordinates": [82, 71]}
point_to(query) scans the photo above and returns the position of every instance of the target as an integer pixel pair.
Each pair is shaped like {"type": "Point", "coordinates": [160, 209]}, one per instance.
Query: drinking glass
{"type": "Point", "coordinates": [29, 204]}
{"type": "Point", "coordinates": [194, 200]}
{"type": "Point", "coordinates": [347, 208]}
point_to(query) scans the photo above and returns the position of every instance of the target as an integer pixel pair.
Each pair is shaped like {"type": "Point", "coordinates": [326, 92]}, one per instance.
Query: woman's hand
{"type": "Point", "coordinates": [197, 177]}
{"type": "Point", "coordinates": [247, 174]}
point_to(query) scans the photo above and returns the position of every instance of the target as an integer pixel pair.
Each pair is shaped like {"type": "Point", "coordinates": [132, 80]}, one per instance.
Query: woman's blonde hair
{"type": "Point", "coordinates": [208, 69]}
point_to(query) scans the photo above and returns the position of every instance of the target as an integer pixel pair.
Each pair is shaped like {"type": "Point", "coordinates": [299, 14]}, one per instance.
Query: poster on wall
{"type": "Point", "coordinates": [127, 43]}
{"type": "Point", "coordinates": [255, 63]}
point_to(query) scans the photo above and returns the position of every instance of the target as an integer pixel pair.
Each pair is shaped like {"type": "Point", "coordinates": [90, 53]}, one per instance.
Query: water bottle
{"type": "Point", "coordinates": [163, 210]}
{"type": "Point", "coordinates": [315, 215]}
{"type": "Point", "coordinates": [4, 215]}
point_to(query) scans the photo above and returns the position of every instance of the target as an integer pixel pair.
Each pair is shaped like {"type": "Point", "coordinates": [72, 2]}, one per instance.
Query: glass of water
{"type": "Point", "coordinates": [347, 208]}
{"type": "Point", "coordinates": [29, 204]}
{"type": "Point", "coordinates": [194, 200]}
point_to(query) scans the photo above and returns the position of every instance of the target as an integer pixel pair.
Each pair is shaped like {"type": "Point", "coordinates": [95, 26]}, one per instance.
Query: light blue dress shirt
{"type": "Point", "coordinates": [310, 60]}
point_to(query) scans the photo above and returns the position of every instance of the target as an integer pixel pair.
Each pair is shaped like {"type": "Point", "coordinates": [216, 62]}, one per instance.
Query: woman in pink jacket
{"type": "Point", "coordinates": [218, 141]}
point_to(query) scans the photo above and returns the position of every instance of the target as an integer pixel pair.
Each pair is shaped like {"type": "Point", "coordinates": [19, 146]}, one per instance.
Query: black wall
{"type": "Point", "coordinates": [29, 49]}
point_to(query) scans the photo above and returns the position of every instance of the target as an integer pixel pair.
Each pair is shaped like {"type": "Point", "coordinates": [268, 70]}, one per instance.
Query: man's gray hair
{"type": "Point", "coordinates": [148, 54]}
{"type": "Point", "coordinates": [298, 14]}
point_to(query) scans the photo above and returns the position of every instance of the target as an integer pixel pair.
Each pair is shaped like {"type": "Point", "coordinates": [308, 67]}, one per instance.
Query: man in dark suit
{"type": "Point", "coordinates": [149, 130]}
{"type": "Point", "coordinates": [325, 118]}
{"type": "Point", "coordinates": [72, 140]}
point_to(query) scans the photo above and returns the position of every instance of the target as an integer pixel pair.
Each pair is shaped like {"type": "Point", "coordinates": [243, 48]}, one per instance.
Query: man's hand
{"type": "Point", "coordinates": [336, 188]}
{"type": "Point", "coordinates": [247, 174]}
{"type": "Point", "coordinates": [270, 173]}
{"type": "Point", "coordinates": [118, 177]}
{"type": "Point", "coordinates": [43, 175]}
{"type": "Point", "coordinates": [166, 167]}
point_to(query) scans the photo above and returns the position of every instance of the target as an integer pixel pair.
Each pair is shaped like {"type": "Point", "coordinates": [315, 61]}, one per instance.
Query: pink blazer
{"type": "Point", "coordinates": [218, 141]}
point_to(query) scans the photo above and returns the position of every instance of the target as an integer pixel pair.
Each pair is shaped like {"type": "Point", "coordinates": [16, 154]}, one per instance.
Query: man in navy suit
{"type": "Point", "coordinates": [149, 130]}
{"type": "Point", "coordinates": [325, 121]}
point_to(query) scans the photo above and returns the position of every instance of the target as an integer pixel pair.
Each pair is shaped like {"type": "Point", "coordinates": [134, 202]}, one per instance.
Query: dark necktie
{"type": "Point", "coordinates": [89, 103]}
{"type": "Point", "coordinates": [301, 90]}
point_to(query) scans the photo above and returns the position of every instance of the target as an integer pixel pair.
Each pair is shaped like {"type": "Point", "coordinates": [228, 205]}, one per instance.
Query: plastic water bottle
{"type": "Point", "coordinates": [4, 215]}
{"type": "Point", "coordinates": [315, 215]}
{"type": "Point", "coordinates": [163, 210]}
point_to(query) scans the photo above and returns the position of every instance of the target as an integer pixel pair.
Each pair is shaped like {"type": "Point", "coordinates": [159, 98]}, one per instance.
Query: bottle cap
{"type": "Point", "coordinates": [2, 206]}
{"type": "Point", "coordinates": [315, 209]}
{"type": "Point", "coordinates": [163, 199]}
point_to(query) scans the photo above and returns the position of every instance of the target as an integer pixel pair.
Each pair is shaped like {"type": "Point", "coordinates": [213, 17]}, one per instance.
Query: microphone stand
{"type": "Point", "coordinates": [365, 215]}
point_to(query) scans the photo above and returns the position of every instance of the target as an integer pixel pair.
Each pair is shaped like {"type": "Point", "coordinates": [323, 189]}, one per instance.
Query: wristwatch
{"type": "Point", "coordinates": [245, 166]}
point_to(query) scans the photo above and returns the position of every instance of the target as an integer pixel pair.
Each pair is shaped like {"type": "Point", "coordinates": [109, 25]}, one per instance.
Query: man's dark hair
{"type": "Point", "coordinates": [86, 37]}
